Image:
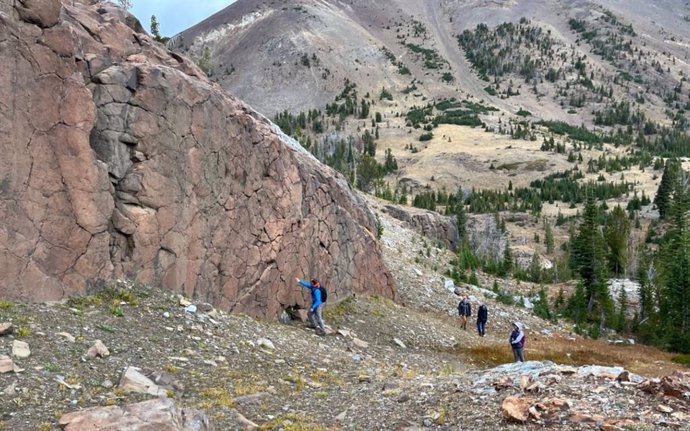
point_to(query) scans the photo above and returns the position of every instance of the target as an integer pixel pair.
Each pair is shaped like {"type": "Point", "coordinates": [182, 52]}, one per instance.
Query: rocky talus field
{"type": "Point", "coordinates": [89, 362]}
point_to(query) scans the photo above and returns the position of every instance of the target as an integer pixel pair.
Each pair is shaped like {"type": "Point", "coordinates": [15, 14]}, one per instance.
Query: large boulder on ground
{"type": "Point", "coordinates": [123, 160]}
{"type": "Point", "coordinates": [516, 409]}
{"type": "Point", "coordinates": [159, 414]}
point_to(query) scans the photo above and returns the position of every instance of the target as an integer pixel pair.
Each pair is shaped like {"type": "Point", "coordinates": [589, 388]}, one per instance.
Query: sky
{"type": "Point", "coordinates": [175, 15]}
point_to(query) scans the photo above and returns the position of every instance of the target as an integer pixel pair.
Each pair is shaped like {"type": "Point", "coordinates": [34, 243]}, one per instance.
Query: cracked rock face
{"type": "Point", "coordinates": [122, 160]}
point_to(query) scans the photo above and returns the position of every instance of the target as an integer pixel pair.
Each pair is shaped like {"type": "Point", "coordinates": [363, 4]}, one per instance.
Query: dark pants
{"type": "Point", "coordinates": [481, 328]}
{"type": "Point", "coordinates": [519, 354]}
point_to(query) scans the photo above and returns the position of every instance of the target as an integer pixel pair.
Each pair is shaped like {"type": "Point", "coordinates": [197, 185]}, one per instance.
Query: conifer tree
{"type": "Point", "coordinates": [155, 28]}
{"type": "Point", "coordinates": [541, 305]}
{"type": "Point", "coordinates": [548, 237]}
{"type": "Point", "coordinates": [588, 259]}
{"type": "Point", "coordinates": [617, 234]}
{"type": "Point", "coordinates": [674, 304]}
{"type": "Point", "coordinates": [647, 321]}
{"type": "Point", "coordinates": [368, 171]}
{"type": "Point", "coordinates": [535, 268]}
{"type": "Point", "coordinates": [663, 194]}
{"type": "Point", "coordinates": [507, 263]}
{"type": "Point", "coordinates": [622, 311]}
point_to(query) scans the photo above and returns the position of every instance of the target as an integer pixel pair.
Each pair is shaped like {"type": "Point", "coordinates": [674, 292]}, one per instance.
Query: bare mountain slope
{"type": "Point", "coordinates": [296, 55]}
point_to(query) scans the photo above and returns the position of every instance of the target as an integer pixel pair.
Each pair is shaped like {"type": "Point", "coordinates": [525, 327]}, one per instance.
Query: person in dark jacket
{"type": "Point", "coordinates": [517, 342]}
{"type": "Point", "coordinates": [465, 311]}
{"type": "Point", "coordinates": [315, 311]}
{"type": "Point", "coordinates": [482, 317]}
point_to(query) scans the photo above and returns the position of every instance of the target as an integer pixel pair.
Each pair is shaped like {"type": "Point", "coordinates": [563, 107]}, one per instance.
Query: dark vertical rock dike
{"type": "Point", "coordinates": [122, 160]}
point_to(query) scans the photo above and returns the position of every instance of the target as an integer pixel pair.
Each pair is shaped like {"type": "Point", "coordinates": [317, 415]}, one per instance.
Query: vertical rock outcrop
{"type": "Point", "coordinates": [122, 160]}
{"type": "Point", "coordinates": [428, 223]}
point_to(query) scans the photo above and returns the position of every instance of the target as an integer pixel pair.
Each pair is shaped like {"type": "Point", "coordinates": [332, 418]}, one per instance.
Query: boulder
{"type": "Point", "coordinates": [127, 162]}
{"type": "Point", "coordinates": [360, 344]}
{"type": "Point", "coordinates": [160, 414]}
{"type": "Point", "coordinates": [133, 380]}
{"type": "Point", "coordinates": [98, 350]}
{"type": "Point", "coordinates": [20, 349]}
{"type": "Point", "coordinates": [6, 328]}
{"type": "Point", "coordinates": [516, 409]}
{"type": "Point", "coordinates": [7, 365]}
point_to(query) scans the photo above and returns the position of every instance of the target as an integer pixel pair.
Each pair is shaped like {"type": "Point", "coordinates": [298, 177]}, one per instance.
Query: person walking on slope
{"type": "Point", "coordinates": [482, 317]}
{"type": "Point", "coordinates": [517, 342]}
{"type": "Point", "coordinates": [314, 314]}
{"type": "Point", "coordinates": [465, 311]}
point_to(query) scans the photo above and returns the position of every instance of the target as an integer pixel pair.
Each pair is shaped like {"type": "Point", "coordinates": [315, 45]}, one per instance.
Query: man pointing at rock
{"type": "Point", "coordinates": [314, 314]}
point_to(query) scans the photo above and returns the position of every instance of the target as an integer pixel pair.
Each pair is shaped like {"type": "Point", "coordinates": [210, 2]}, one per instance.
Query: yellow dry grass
{"type": "Point", "coordinates": [643, 360]}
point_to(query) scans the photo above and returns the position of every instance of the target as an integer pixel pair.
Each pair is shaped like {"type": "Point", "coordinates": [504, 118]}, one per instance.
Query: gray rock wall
{"type": "Point", "coordinates": [428, 223]}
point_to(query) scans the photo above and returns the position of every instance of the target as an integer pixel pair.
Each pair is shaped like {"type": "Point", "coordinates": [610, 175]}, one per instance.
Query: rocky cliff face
{"type": "Point", "coordinates": [121, 159]}
{"type": "Point", "coordinates": [430, 224]}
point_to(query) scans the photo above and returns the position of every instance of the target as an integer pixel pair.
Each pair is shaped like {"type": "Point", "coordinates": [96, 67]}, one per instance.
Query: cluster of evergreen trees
{"type": "Point", "coordinates": [665, 276]}
{"type": "Point", "coordinates": [562, 186]}
{"type": "Point", "coordinates": [353, 156]}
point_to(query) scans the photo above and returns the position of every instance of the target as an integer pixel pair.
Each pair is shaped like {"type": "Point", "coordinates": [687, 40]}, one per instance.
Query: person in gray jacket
{"type": "Point", "coordinates": [517, 342]}
{"type": "Point", "coordinates": [465, 311]}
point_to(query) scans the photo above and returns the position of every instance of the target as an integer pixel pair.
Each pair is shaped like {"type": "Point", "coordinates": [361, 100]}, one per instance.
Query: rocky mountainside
{"type": "Point", "coordinates": [122, 159]}
{"type": "Point", "coordinates": [300, 55]}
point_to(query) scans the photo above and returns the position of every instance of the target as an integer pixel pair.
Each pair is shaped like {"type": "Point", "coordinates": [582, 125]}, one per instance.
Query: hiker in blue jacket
{"type": "Point", "coordinates": [314, 314]}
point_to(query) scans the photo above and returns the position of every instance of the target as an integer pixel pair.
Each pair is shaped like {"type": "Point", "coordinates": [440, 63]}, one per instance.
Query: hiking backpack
{"type": "Point", "coordinates": [324, 293]}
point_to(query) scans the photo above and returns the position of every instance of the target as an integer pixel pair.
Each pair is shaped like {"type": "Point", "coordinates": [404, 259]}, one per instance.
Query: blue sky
{"type": "Point", "coordinates": [175, 15]}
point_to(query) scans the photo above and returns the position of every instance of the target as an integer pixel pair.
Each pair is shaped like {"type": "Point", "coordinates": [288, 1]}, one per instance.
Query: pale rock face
{"type": "Point", "coordinates": [123, 160]}
{"type": "Point", "coordinates": [430, 224]}
{"type": "Point", "coordinates": [160, 414]}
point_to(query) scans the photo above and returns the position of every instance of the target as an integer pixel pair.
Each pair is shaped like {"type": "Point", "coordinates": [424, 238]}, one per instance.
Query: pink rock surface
{"type": "Point", "coordinates": [125, 161]}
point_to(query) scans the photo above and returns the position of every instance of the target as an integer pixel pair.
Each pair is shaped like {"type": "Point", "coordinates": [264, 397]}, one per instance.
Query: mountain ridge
{"type": "Point", "coordinates": [347, 37]}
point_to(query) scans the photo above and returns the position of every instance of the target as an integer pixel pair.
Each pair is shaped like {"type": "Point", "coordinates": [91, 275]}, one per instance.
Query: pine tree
{"type": "Point", "coordinates": [535, 269]}
{"type": "Point", "coordinates": [155, 28]}
{"type": "Point", "coordinates": [674, 307]}
{"type": "Point", "coordinates": [368, 171]}
{"type": "Point", "coordinates": [204, 62]}
{"type": "Point", "coordinates": [390, 164]}
{"type": "Point", "coordinates": [663, 194]}
{"type": "Point", "coordinates": [622, 310]}
{"type": "Point", "coordinates": [647, 321]}
{"type": "Point", "coordinates": [541, 305]}
{"type": "Point", "coordinates": [507, 263]}
{"type": "Point", "coordinates": [548, 237]}
{"type": "Point", "coordinates": [588, 260]}
{"type": "Point", "coordinates": [617, 234]}
{"type": "Point", "coordinates": [369, 144]}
